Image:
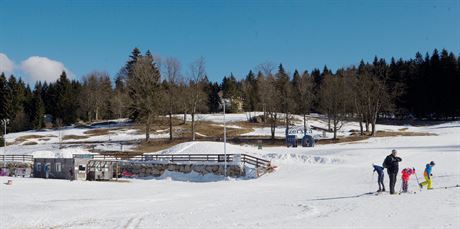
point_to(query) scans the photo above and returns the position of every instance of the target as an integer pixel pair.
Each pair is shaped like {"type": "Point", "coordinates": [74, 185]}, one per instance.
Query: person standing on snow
{"type": "Point", "coordinates": [379, 170]}
{"type": "Point", "coordinates": [47, 171]}
{"type": "Point", "coordinates": [71, 174]}
{"type": "Point", "coordinates": [427, 174]}
{"type": "Point", "coordinates": [391, 163]}
{"type": "Point", "coordinates": [406, 173]}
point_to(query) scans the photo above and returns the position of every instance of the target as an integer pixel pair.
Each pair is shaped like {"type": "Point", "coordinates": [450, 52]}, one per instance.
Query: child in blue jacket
{"type": "Point", "coordinates": [379, 169]}
{"type": "Point", "coordinates": [427, 174]}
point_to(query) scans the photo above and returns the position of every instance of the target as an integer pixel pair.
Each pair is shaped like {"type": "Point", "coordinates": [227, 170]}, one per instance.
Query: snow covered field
{"type": "Point", "coordinates": [316, 187]}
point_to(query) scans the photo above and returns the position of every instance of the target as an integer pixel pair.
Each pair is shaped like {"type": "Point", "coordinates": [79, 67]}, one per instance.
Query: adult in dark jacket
{"type": "Point", "coordinates": [391, 163]}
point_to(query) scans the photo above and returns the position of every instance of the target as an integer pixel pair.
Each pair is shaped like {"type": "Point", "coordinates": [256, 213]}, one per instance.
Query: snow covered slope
{"type": "Point", "coordinates": [317, 187]}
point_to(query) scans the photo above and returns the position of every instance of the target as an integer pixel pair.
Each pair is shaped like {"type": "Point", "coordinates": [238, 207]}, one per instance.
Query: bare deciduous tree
{"type": "Point", "coordinates": [120, 100]}
{"type": "Point", "coordinates": [264, 70]}
{"type": "Point", "coordinates": [270, 97]}
{"type": "Point", "coordinates": [303, 87]}
{"type": "Point", "coordinates": [335, 100]}
{"type": "Point", "coordinates": [372, 95]}
{"type": "Point", "coordinates": [196, 98]}
{"type": "Point", "coordinates": [284, 91]}
{"type": "Point", "coordinates": [95, 95]}
{"type": "Point", "coordinates": [172, 74]}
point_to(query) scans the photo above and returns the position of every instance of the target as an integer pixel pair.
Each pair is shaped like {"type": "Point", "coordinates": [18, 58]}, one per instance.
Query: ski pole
{"type": "Point", "coordinates": [416, 177]}
{"type": "Point", "coordinates": [418, 182]}
{"type": "Point", "coordinates": [370, 183]}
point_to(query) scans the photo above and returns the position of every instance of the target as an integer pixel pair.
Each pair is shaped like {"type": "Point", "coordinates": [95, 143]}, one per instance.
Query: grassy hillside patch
{"type": "Point", "coordinates": [74, 137]}
{"type": "Point", "coordinates": [24, 138]}
{"type": "Point", "coordinates": [155, 146]}
{"type": "Point", "coordinates": [401, 133]}
{"type": "Point", "coordinates": [97, 132]}
{"type": "Point", "coordinates": [30, 143]}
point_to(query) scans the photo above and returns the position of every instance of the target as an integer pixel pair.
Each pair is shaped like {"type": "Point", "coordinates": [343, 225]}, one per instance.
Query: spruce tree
{"type": "Point", "coordinates": [38, 107]}
{"type": "Point", "coordinates": [213, 97]}
{"type": "Point", "coordinates": [18, 114]}
{"type": "Point", "coordinates": [284, 91]}
{"type": "Point", "coordinates": [6, 97]}
{"type": "Point", "coordinates": [66, 102]}
{"type": "Point", "coordinates": [250, 92]}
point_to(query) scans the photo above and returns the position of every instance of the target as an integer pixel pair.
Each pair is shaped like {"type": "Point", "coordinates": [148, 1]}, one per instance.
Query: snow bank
{"type": "Point", "coordinates": [188, 177]}
{"type": "Point", "coordinates": [301, 158]}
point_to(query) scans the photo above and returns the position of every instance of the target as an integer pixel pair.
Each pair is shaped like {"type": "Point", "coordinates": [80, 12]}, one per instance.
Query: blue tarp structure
{"type": "Point", "coordinates": [296, 132]}
{"type": "Point", "coordinates": [291, 140]}
{"type": "Point", "coordinates": [308, 141]}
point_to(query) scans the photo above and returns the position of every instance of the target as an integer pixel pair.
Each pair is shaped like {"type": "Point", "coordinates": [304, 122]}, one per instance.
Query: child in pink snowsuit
{"type": "Point", "coordinates": [406, 173]}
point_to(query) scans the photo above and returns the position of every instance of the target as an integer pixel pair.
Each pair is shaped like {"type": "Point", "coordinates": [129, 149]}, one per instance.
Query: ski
{"type": "Point", "coordinates": [447, 187]}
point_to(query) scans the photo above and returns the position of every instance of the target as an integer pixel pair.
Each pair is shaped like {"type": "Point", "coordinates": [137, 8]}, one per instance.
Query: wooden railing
{"type": "Point", "coordinates": [17, 158]}
{"type": "Point", "coordinates": [244, 158]}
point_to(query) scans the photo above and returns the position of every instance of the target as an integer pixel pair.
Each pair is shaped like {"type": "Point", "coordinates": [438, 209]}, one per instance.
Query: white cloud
{"type": "Point", "coordinates": [42, 68]}
{"type": "Point", "coordinates": [6, 65]}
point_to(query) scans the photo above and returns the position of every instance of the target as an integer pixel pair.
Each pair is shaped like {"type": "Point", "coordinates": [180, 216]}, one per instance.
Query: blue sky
{"type": "Point", "coordinates": [233, 36]}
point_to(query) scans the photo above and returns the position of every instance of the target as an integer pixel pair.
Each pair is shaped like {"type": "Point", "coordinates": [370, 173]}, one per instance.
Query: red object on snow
{"type": "Point", "coordinates": [127, 174]}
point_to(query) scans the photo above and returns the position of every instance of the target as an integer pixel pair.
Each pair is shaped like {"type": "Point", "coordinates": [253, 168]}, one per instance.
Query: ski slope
{"type": "Point", "coordinates": [321, 187]}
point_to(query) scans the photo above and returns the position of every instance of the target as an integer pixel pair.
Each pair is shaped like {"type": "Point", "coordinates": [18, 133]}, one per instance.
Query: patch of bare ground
{"type": "Point", "coordinates": [30, 143]}
{"type": "Point", "coordinates": [96, 132]}
{"type": "Point", "coordinates": [401, 133]}
{"type": "Point", "coordinates": [203, 129]}
{"type": "Point", "coordinates": [24, 138]}
{"type": "Point", "coordinates": [250, 125]}
{"type": "Point", "coordinates": [74, 137]}
{"type": "Point", "coordinates": [210, 129]}
{"type": "Point", "coordinates": [160, 125]}
{"type": "Point", "coordinates": [120, 154]}
{"type": "Point", "coordinates": [155, 146]}
{"type": "Point", "coordinates": [90, 133]}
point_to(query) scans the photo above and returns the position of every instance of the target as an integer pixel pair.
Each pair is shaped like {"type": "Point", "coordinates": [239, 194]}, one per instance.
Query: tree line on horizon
{"type": "Point", "coordinates": [146, 87]}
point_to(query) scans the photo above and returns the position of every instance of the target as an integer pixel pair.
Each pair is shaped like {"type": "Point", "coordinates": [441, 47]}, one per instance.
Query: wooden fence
{"type": "Point", "coordinates": [17, 158]}
{"type": "Point", "coordinates": [244, 158]}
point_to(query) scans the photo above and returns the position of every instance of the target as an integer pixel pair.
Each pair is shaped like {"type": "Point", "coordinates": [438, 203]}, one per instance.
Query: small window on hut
{"type": "Point", "coordinates": [81, 168]}
{"type": "Point", "coordinates": [58, 167]}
